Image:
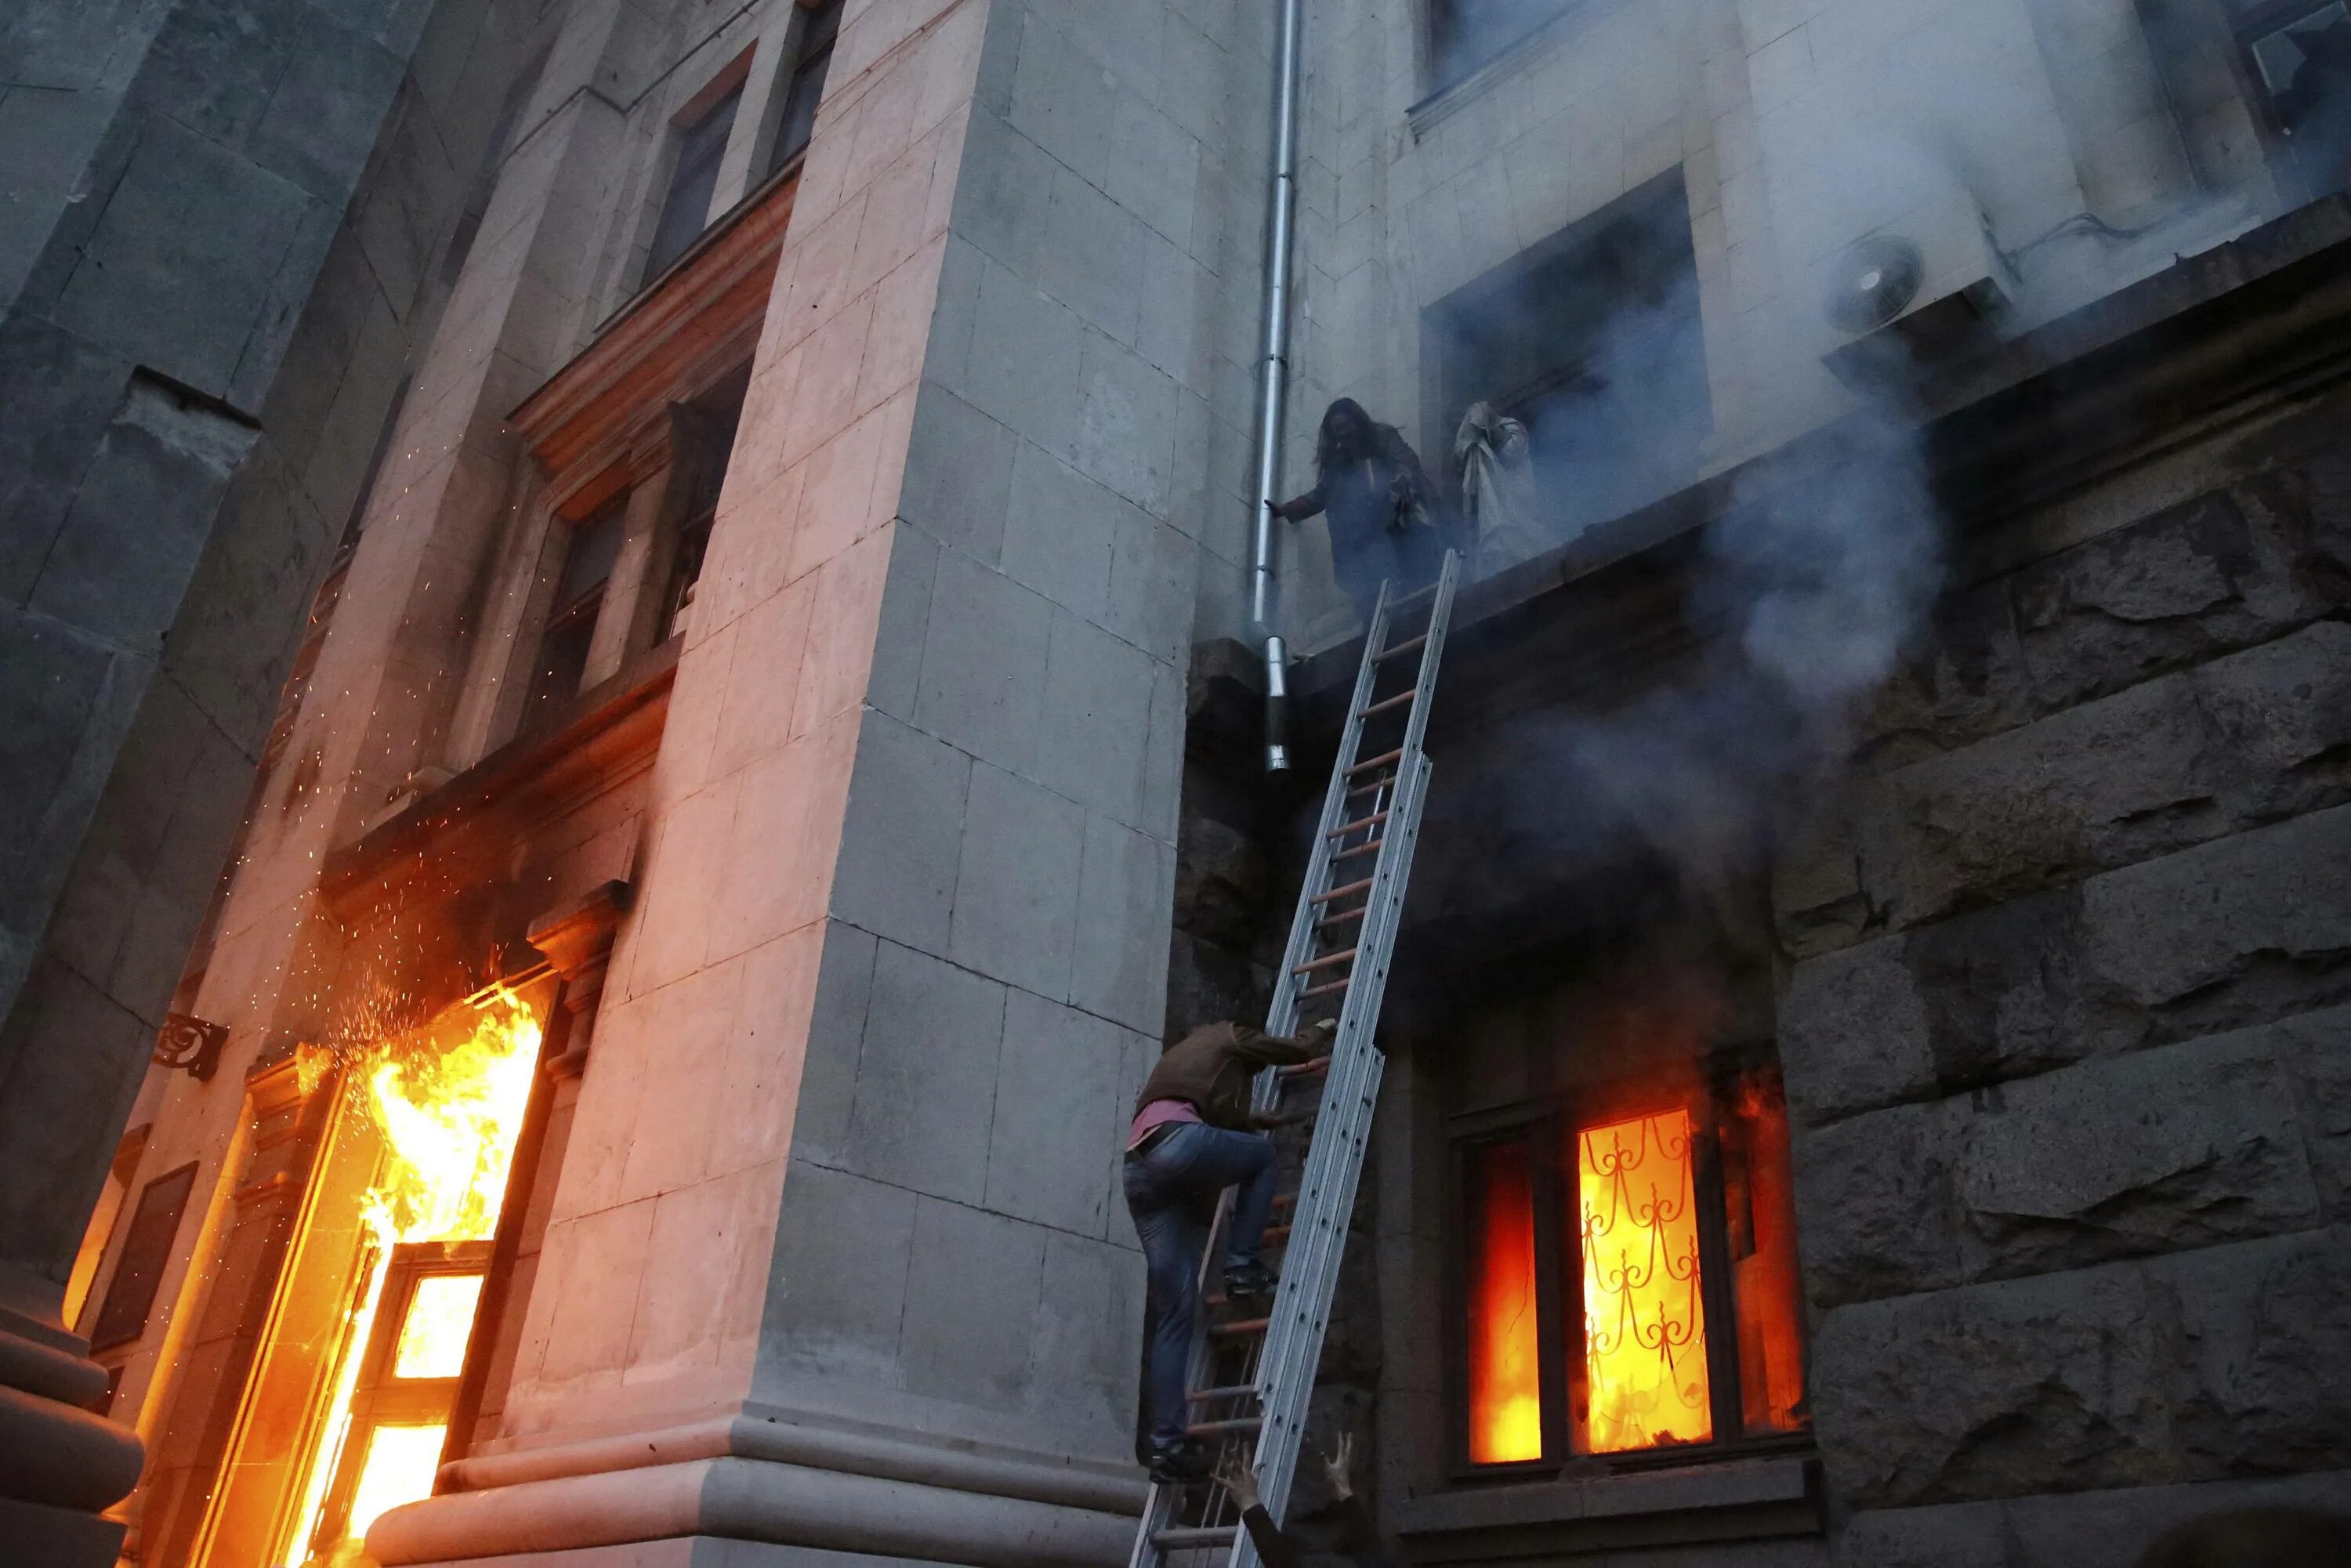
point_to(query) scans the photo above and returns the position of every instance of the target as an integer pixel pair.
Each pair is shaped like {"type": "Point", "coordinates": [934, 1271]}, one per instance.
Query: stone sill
{"type": "Point", "coordinates": [1731, 1499]}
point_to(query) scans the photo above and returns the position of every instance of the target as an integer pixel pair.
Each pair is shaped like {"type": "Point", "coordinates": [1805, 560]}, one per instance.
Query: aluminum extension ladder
{"type": "Point", "coordinates": [1251, 1378]}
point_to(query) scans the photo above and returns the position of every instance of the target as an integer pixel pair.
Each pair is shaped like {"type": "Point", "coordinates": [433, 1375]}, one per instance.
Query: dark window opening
{"type": "Point", "coordinates": [685, 211]}
{"type": "Point", "coordinates": [1464, 34]}
{"type": "Point", "coordinates": [1592, 340]}
{"type": "Point", "coordinates": [797, 121]}
{"type": "Point", "coordinates": [146, 1249]}
{"type": "Point", "coordinates": [709, 422]}
{"type": "Point", "coordinates": [2298, 53]}
{"type": "Point", "coordinates": [563, 648]}
{"type": "Point", "coordinates": [1664, 1312]}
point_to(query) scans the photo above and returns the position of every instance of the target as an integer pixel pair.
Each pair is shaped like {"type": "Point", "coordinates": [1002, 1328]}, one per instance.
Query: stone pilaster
{"type": "Point", "coordinates": [838, 1263]}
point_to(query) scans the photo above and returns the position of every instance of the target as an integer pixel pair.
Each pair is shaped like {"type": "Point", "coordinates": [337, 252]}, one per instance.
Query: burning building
{"type": "Point", "coordinates": [693, 564]}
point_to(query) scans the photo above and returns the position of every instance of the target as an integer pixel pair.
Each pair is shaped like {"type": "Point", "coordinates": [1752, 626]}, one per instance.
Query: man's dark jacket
{"type": "Point", "coordinates": [1211, 1067]}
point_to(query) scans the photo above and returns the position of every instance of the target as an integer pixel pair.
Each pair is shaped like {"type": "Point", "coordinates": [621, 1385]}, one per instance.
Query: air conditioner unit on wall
{"type": "Point", "coordinates": [1920, 288]}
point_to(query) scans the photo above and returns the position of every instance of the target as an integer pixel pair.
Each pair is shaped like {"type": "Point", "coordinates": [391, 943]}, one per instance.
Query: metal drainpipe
{"type": "Point", "coordinates": [1274, 384]}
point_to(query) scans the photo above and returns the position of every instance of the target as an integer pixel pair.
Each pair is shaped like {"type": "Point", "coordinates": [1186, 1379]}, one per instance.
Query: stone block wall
{"type": "Point", "coordinates": [221, 227]}
{"type": "Point", "coordinates": [2066, 1037]}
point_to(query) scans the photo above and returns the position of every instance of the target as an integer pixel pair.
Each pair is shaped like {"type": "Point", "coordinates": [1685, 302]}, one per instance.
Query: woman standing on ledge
{"type": "Point", "coordinates": [1382, 521]}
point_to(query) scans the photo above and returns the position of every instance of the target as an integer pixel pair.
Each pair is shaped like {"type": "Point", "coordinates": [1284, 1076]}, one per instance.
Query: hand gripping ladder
{"type": "Point", "coordinates": [1250, 1378]}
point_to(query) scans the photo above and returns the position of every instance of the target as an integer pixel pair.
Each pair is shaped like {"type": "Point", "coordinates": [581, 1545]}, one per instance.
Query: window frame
{"type": "Point", "coordinates": [773, 159]}
{"type": "Point", "coordinates": [538, 710]}
{"type": "Point", "coordinates": [723, 93]}
{"type": "Point", "coordinates": [1434, 25]}
{"type": "Point", "coordinates": [1545, 1121]}
{"type": "Point", "coordinates": [2248, 27]}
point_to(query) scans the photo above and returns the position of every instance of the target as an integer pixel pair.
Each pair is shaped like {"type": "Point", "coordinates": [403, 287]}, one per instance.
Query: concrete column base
{"type": "Point", "coordinates": [750, 1493]}
{"type": "Point", "coordinates": [59, 1464]}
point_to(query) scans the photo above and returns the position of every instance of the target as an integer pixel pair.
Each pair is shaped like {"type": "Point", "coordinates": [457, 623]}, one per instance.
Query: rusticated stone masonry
{"type": "Point", "coordinates": [2068, 1036]}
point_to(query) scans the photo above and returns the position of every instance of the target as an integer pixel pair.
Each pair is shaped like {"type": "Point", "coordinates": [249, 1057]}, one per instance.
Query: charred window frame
{"type": "Point", "coordinates": [820, 27]}
{"type": "Point", "coordinates": [2294, 56]}
{"type": "Point", "coordinates": [1537, 1140]}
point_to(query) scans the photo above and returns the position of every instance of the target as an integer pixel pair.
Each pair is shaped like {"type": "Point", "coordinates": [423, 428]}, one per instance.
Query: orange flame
{"type": "Point", "coordinates": [449, 1119]}
{"type": "Point", "coordinates": [1644, 1328]}
{"type": "Point", "coordinates": [1505, 1371]}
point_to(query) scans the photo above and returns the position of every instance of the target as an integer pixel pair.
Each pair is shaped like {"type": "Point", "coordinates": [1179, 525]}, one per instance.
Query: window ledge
{"type": "Point", "coordinates": [1538, 46]}
{"type": "Point", "coordinates": [1728, 1500]}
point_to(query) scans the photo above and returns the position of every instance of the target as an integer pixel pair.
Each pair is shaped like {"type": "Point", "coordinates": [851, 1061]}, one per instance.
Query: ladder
{"type": "Point", "coordinates": [1250, 1378]}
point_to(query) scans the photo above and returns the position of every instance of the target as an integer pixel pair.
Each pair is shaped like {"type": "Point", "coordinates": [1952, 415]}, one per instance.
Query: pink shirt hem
{"type": "Point", "coordinates": [1159, 1113]}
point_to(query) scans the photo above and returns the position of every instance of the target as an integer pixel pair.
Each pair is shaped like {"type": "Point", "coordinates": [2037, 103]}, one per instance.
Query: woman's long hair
{"type": "Point", "coordinates": [1335, 446]}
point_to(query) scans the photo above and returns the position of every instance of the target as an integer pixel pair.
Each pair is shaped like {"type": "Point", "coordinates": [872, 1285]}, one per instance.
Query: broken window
{"type": "Point", "coordinates": [1591, 340]}
{"type": "Point", "coordinates": [587, 559]}
{"type": "Point", "coordinates": [2299, 55]}
{"type": "Point", "coordinates": [685, 211]}
{"type": "Point", "coordinates": [1630, 1281]}
{"type": "Point", "coordinates": [809, 62]}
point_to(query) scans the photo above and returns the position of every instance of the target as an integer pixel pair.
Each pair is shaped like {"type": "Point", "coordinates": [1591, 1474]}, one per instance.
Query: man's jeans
{"type": "Point", "coordinates": [1172, 1193]}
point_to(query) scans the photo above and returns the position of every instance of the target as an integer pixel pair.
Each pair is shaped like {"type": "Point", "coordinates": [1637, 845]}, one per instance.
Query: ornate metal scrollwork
{"type": "Point", "coordinates": [188, 1042]}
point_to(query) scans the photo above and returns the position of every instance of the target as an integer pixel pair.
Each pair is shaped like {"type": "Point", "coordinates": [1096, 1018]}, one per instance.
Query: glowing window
{"type": "Point", "coordinates": [1645, 1372]}
{"type": "Point", "coordinates": [1658, 1306]}
{"type": "Point", "coordinates": [398, 1469]}
{"type": "Point", "coordinates": [1505, 1371]}
{"type": "Point", "coordinates": [433, 1333]}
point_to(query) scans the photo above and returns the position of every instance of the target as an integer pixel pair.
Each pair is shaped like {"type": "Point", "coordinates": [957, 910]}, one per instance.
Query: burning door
{"type": "Point", "coordinates": [348, 1409]}
{"type": "Point", "coordinates": [406, 1386]}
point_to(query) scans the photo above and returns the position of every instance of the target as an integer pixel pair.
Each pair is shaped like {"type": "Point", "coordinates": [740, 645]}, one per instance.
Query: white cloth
{"type": "Point", "coordinates": [1498, 489]}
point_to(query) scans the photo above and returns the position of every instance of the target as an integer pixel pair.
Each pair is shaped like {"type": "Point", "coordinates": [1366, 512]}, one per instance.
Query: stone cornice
{"type": "Point", "coordinates": [609, 734]}
{"type": "Point", "coordinates": [695, 322]}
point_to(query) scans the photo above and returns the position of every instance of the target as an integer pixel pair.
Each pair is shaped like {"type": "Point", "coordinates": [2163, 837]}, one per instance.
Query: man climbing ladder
{"type": "Point", "coordinates": [1249, 1375]}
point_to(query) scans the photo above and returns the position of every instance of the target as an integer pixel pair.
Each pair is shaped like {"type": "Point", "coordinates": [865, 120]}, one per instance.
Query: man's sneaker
{"type": "Point", "coordinates": [1248, 1281]}
{"type": "Point", "coordinates": [1186, 1460]}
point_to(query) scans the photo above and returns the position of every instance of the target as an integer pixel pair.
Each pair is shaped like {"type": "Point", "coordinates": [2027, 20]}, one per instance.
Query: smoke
{"type": "Point", "coordinates": [1818, 575]}
{"type": "Point", "coordinates": [1804, 594]}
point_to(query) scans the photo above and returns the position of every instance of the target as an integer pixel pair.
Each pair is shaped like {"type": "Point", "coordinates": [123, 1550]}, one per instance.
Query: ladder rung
{"type": "Point", "coordinates": [1382, 761]}
{"type": "Point", "coordinates": [1192, 1537]}
{"type": "Point", "coordinates": [1338, 893]}
{"type": "Point", "coordinates": [1218, 1429]}
{"type": "Point", "coordinates": [1202, 1396]}
{"type": "Point", "coordinates": [1404, 647]}
{"type": "Point", "coordinates": [1284, 1199]}
{"type": "Point", "coordinates": [1387, 703]}
{"type": "Point", "coordinates": [1273, 1233]}
{"type": "Point", "coordinates": [1328, 986]}
{"type": "Point", "coordinates": [1366, 847]}
{"type": "Point", "coordinates": [1335, 916]}
{"type": "Point", "coordinates": [1240, 1328]}
{"type": "Point", "coordinates": [1358, 825]}
{"type": "Point", "coordinates": [1325, 961]}
{"type": "Point", "coordinates": [1306, 1069]}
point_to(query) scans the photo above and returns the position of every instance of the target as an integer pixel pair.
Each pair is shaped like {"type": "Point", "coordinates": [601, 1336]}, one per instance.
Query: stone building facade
{"type": "Point", "coordinates": [771, 752]}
